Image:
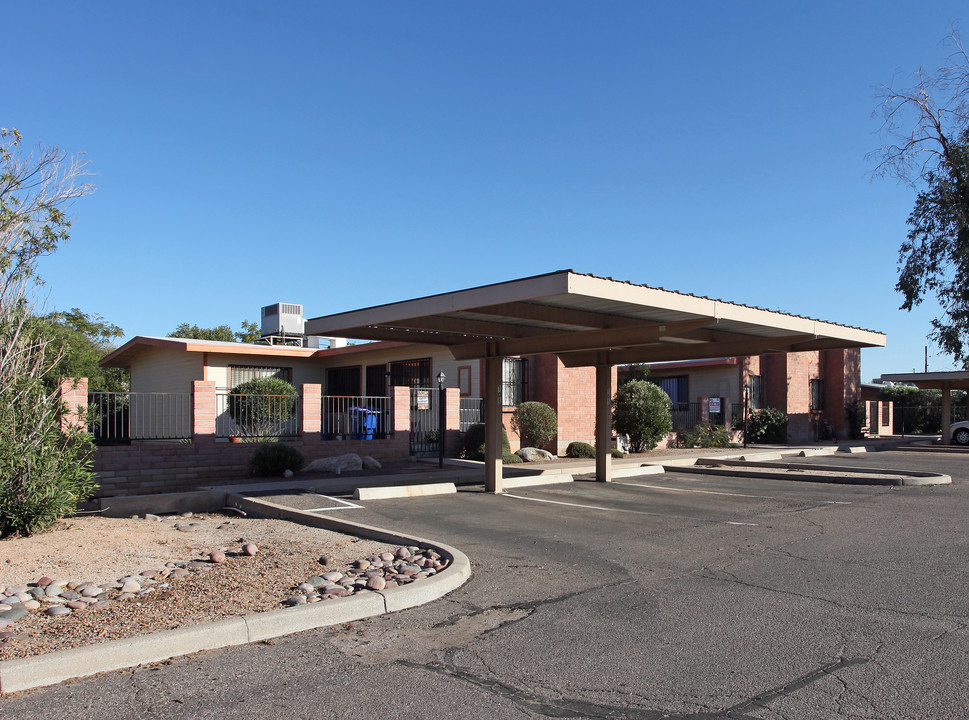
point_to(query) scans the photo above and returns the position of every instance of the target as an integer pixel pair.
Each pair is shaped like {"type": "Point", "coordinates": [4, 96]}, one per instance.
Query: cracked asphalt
{"type": "Point", "coordinates": [664, 596]}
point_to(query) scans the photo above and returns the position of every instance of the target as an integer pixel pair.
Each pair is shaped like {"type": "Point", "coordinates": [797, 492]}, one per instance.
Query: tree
{"type": "Point", "coordinates": [928, 127]}
{"type": "Point", "coordinates": [83, 340]}
{"type": "Point", "coordinates": [223, 333]}
{"type": "Point", "coordinates": [642, 412]}
{"type": "Point", "coordinates": [536, 424]}
{"type": "Point", "coordinates": [44, 471]}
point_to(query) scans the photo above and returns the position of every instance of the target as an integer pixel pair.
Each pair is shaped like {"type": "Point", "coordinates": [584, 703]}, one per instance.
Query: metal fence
{"type": "Point", "coordinates": [119, 418]}
{"type": "Point", "coordinates": [356, 417]}
{"type": "Point", "coordinates": [469, 413]}
{"type": "Point", "coordinates": [256, 416]}
{"type": "Point", "coordinates": [424, 421]}
{"type": "Point", "coordinates": [687, 415]}
{"type": "Point", "coordinates": [923, 419]}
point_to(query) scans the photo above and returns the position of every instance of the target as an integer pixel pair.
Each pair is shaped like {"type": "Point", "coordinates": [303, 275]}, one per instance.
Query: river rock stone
{"type": "Point", "coordinates": [217, 556]}
{"type": "Point", "coordinates": [57, 610]}
{"type": "Point", "coordinates": [250, 549]}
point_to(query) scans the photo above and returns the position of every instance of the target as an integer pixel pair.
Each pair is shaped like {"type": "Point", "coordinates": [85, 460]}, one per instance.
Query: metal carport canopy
{"type": "Point", "coordinates": [944, 381]}
{"type": "Point", "coordinates": [585, 320]}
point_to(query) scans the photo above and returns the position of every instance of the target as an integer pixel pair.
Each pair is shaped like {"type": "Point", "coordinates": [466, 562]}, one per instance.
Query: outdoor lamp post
{"type": "Point", "coordinates": [441, 419]}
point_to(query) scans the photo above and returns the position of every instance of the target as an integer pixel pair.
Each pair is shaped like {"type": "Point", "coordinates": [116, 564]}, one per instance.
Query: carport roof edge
{"type": "Point", "coordinates": [587, 320]}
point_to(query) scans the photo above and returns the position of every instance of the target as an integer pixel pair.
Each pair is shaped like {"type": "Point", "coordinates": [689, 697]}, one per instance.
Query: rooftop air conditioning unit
{"type": "Point", "coordinates": [283, 319]}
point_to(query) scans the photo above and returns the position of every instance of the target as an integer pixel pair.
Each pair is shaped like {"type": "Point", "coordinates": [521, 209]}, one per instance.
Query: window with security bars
{"type": "Point", "coordinates": [514, 381]}
{"type": "Point", "coordinates": [754, 398]}
{"type": "Point", "coordinates": [377, 380]}
{"type": "Point", "coordinates": [343, 381]}
{"type": "Point", "coordinates": [239, 374]}
{"type": "Point", "coordinates": [411, 373]}
{"type": "Point", "coordinates": [817, 394]}
{"type": "Point", "coordinates": [678, 389]}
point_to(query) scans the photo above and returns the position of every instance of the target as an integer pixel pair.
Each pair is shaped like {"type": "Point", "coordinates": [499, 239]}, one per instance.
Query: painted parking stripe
{"type": "Point", "coordinates": [719, 492]}
{"type": "Point", "coordinates": [343, 505]}
{"type": "Point", "coordinates": [621, 510]}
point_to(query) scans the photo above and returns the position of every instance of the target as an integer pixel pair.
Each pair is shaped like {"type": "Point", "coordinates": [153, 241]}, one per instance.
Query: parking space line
{"type": "Point", "coordinates": [621, 510]}
{"type": "Point", "coordinates": [719, 492]}
{"type": "Point", "coordinates": [344, 505]}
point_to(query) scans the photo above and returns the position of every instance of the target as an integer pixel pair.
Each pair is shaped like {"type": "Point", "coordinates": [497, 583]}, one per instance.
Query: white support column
{"type": "Point", "coordinates": [604, 423]}
{"type": "Point", "coordinates": [493, 470]}
{"type": "Point", "coordinates": [946, 413]}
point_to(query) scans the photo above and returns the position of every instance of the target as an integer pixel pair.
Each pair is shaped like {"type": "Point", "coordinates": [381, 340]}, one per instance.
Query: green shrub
{"type": "Point", "coordinates": [616, 453]}
{"type": "Point", "coordinates": [535, 423]}
{"type": "Point", "coordinates": [262, 406]}
{"type": "Point", "coordinates": [580, 450]}
{"type": "Point", "coordinates": [641, 412]}
{"type": "Point", "coordinates": [705, 435]}
{"type": "Point", "coordinates": [44, 471]}
{"type": "Point", "coordinates": [473, 444]}
{"type": "Point", "coordinates": [273, 459]}
{"type": "Point", "coordinates": [510, 458]}
{"type": "Point", "coordinates": [767, 426]}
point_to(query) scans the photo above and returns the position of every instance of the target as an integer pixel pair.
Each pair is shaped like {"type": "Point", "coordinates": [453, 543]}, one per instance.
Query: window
{"type": "Point", "coordinates": [754, 388]}
{"type": "Point", "coordinates": [514, 381]}
{"type": "Point", "coordinates": [677, 388]}
{"type": "Point", "coordinates": [239, 374]}
{"type": "Point", "coordinates": [377, 380]}
{"type": "Point", "coordinates": [817, 394]}
{"type": "Point", "coordinates": [343, 381]}
{"type": "Point", "coordinates": [411, 373]}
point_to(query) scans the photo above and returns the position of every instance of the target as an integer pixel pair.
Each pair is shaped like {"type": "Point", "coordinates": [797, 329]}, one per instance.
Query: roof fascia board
{"type": "Point", "coordinates": [576, 341]}
{"type": "Point", "coordinates": [524, 289]}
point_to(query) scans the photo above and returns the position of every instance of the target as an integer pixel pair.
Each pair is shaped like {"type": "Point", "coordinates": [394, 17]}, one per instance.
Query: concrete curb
{"type": "Point", "coordinates": [51, 668]}
{"type": "Point", "coordinates": [399, 491]}
{"type": "Point", "coordinates": [532, 481]}
{"type": "Point", "coordinates": [851, 476]}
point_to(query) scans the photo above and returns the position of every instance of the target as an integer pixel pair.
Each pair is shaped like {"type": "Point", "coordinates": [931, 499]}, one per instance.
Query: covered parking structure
{"type": "Point", "coordinates": [944, 381]}
{"type": "Point", "coordinates": [585, 320]}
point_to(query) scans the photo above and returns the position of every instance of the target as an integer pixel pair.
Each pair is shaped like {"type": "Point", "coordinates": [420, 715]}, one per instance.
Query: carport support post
{"type": "Point", "coordinates": [946, 413]}
{"type": "Point", "coordinates": [604, 423]}
{"type": "Point", "coordinates": [493, 427]}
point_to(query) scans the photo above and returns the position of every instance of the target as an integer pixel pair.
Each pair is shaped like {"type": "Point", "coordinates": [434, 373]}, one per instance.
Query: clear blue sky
{"type": "Point", "coordinates": [341, 155]}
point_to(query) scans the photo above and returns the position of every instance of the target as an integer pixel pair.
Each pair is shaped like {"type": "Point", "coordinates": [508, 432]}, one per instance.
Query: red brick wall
{"type": "Point", "coordinates": [143, 468]}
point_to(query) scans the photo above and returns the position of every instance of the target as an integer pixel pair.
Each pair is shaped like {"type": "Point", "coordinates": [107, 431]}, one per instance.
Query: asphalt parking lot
{"type": "Point", "coordinates": [659, 596]}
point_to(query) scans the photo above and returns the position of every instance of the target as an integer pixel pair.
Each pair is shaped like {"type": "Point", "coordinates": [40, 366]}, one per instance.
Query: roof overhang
{"type": "Point", "coordinates": [955, 380]}
{"type": "Point", "coordinates": [588, 320]}
{"type": "Point", "coordinates": [137, 346]}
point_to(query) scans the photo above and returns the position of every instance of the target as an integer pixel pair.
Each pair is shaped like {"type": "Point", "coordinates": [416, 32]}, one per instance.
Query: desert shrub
{"type": "Point", "coordinates": [510, 458]}
{"type": "Point", "coordinates": [767, 426]}
{"type": "Point", "coordinates": [44, 471]}
{"type": "Point", "coordinates": [473, 444]}
{"type": "Point", "coordinates": [273, 459]}
{"type": "Point", "coordinates": [535, 423]}
{"type": "Point", "coordinates": [617, 453]}
{"type": "Point", "coordinates": [641, 412]}
{"type": "Point", "coordinates": [580, 450]}
{"type": "Point", "coordinates": [857, 415]}
{"type": "Point", "coordinates": [262, 406]}
{"type": "Point", "coordinates": [705, 435]}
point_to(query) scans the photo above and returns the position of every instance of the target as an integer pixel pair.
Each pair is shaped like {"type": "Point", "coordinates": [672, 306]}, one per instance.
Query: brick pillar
{"type": "Point", "coordinates": [310, 410]}
{"type": "Point", "coordinates": [401, 409]}
{"type": "Point", "coordinates": [452, 421]}
{"type": "Point", "coordinates": [704, 409]}
{"type": "Point", "coordinates": [74, 396]}
{"type": "Point", "coordinates": [727, 405]}
{"type": "Point", "coordinates": [203, 410]}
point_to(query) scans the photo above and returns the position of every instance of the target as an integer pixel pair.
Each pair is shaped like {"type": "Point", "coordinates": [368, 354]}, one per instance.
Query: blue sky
{"type": "Point", "coordinates": [341, 155]}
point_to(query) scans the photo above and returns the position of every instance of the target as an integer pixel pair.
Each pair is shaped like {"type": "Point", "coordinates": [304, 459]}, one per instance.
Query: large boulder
{"type": "Point", "coordinates": [530, 454]}
{"type": "Point", "coordinates": [349, 461]}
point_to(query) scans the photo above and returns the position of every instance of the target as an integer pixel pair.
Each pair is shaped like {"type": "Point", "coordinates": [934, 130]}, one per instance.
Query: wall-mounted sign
{"type": "Point", "coordinates": [422, 399]}
{"type": "Point", "coordinates": [714, 405]}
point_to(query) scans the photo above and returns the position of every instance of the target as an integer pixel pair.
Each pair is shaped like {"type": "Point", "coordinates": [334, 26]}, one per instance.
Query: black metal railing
{"type": "Point", "coordinates": [356, 417]}
{"type": "Point", "coordinates": [256, 416]}
{"type": "Point", "coordinates": [469, 413]}
{"type": "Point", "coordinates": [116, 418]}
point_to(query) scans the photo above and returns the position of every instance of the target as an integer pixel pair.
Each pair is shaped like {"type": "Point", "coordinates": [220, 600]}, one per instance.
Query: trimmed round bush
{"type": "Point", "coordinates": [473, 444]}
{"type": "Point", "coordinates": [536, 424]}
{"type": "Point", "coordinates": [273, 459]}
{"type": "Point", "coordinates": [580, 450]}
{"type": "Point", "coordinates": [642, 412]}
{"type": "Point", "coordinates": [617, 453]}
{"type": "Point", "coordinates": [262, 405]}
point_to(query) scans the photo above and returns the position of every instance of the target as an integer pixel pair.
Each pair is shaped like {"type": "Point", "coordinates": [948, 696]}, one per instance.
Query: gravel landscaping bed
{"type": "Point", "coordinates": [115, 578]}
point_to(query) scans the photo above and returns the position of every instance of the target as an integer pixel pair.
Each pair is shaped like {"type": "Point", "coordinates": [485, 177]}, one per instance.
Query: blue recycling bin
{"type": "Point", "coordinates": [362, 422]}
